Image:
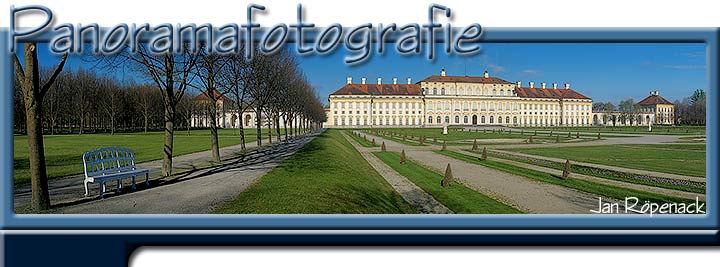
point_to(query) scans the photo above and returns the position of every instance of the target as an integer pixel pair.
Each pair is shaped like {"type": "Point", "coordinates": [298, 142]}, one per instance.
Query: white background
{"type": "Point", "coordinates": [499, 13]}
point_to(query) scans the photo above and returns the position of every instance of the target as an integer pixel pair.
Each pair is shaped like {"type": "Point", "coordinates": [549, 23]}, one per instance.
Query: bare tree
{"type": "Point", "coordinates": [33, 93]}
{"type": "Point", "coordinates": [235, 79]}
{"type": "Point", "coordinates": [209, 70]}
{"type": "Point", "coordinates": [171, 72]}
{"type": "Point", "coordinates": [144, 98]}
{"type": "Point", "coordinates": [112, 96]}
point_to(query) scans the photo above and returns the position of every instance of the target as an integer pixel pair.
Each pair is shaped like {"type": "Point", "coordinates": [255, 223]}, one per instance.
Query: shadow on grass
{"type": "Point", "coordinates": [259, 158]}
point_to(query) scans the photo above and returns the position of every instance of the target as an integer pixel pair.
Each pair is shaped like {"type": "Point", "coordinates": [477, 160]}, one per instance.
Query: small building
{"type": "Point", "coordinates": [652, 110]}
{"type": "Point", "coordinates": [228, 113]}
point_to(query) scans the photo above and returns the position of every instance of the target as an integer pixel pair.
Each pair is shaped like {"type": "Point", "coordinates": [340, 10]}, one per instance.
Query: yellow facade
{"type": "Point", "coordinates": [464, 101]}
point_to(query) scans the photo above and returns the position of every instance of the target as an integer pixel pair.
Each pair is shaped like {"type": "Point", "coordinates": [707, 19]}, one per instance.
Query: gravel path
{"type": "Point", "coordinates": [421, 200]}
{"type": "Point", "coordinates": [523, 193]}
{"type": "Point", "coordinates": [197, 186]}
{"type": "Point", "coordinates": [664, 191]}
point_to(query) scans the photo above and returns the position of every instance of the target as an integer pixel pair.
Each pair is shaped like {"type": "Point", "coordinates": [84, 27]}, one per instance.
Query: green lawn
{"type": "Point", "coordinates": [309, 183]}
{"type": "Point", "coordinates": [457, 197]}
{"type": "Point", "coordinates": [604, 190]}
{"type": "Point", "coordinates": [361, 141]}
{"type": "Point", "coordinates": [63, 153]}
{"type": "Point", "coordinates": [685, 159]}
{"type": "Point", "coordinates": [656, 129]}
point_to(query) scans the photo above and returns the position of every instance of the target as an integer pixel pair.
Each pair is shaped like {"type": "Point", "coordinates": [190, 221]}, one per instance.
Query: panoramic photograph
{"type": "Point", "coordinates": [518, 128]}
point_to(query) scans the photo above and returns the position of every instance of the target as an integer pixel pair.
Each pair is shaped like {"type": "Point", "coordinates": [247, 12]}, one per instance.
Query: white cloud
{"type": "Point", "coordinates": [532, 72]}
{"type": "Point", "coordinates": [684, 67]}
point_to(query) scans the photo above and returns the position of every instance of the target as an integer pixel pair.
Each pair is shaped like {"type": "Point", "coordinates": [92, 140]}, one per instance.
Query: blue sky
{"type": "Point", "coordinates": [604, 71]}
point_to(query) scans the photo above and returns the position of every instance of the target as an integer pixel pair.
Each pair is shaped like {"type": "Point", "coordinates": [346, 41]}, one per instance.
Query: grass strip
{"type": "Point", "coordinates": [457, 197]}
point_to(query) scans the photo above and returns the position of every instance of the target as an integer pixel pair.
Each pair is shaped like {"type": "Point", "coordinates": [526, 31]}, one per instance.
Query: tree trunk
{"type": "Point", "coordinates": [213, 130]}
{"type": "Point", "coordinates": [258, 123]}
{"type": "Point", "coordinates": [30, 85]}
{"type": "Point", "coordinates": [285, 126]}
{"type": "Point", "coordinates": [242, 132]}
{"type": "Point", "coordinates": [146, 121]}
{"type": "Point", "coordinates": [269, 127]}
{"type": "Point", "coordinates": [168, 149]}
{"type": "Point", "coordinates": [40, 196]}
{"type": "Point", "coordinates": [277, 127]}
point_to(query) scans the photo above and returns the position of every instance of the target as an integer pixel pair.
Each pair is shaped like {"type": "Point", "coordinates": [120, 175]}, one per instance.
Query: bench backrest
{"type": "Point", "coordinates": [108, 160]}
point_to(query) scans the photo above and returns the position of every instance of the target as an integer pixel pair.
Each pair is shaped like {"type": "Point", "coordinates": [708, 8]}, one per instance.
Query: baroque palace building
{"type": "Point", "coordinates": [456, 100]}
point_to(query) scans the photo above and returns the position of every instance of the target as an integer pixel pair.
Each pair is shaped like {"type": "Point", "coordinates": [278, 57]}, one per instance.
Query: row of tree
{"type": "Point", "coordinates": [691, 110]}
{"type": "Point", "coordinates": [271, 85]}
{"type": "Point", "coordinates": [688, 111]}
{"type": "Point", "coordinates": [82, 101]}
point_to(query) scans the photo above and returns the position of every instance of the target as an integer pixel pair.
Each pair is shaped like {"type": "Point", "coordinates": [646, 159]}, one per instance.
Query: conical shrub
{"type": "Point", "coordinates": [402, 157]}
{"type": "Point", "coordinates": [382, 147]}
{"type": "Point", "coordinates": [475, 146]}
{"type": "Point", "coordinates": [566, 170]}
{"type": "Point", "coordinates": [484, 154]}
{"type": "Point", "coordinates": [448, 178]}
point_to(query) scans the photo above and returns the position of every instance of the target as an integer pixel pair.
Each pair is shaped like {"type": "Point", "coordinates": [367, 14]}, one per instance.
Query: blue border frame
{"type": "Point", "coordinates": [708, 36]}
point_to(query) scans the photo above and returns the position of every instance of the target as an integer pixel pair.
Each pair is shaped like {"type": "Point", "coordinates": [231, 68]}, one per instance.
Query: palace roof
{"type": "Point", "coordinates": [465, 79]}
{"type": "Point", "coordinates": [380, 89]}
{"type": "Point", "coordinates": [654, 100]}
{"type": "Point", "coordinates": [204, 96]}
{"type": "Point", "coordinates": [527, 92]}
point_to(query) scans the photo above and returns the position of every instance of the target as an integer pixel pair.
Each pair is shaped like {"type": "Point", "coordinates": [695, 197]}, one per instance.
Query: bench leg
{"type": "Point", "coordinates": [102, 189]}
{"type": "Point", "coordinates": [86, 188]}
{"type": "Point", "coordinates": [147, 180]}
{"type": "Point", "coordinates": [119, 185]}
{"type": "Point", "coordinates": [133, 182]}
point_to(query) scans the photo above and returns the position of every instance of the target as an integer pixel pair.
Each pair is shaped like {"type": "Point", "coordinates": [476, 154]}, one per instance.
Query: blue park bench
{"type": "Point", "coordinates": [111, 164]}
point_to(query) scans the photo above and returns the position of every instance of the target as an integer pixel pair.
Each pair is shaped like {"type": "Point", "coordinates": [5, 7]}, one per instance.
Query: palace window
{"type": "Point", "coordinates": [429, 119]}
{"type": "Point", "coordinates": [465, 119]}
{"type": "Point", "coordinates": [492, 120]}
{"type": "Point", "coordinates": [442, 91]}
{"type": "Point", "coordinates": [507, 119]}
{"type": "Point", "coordinates": [438, 119]}
{"type": "Point", "coordinates": [482, 119]}
{"type": "Point", "coordinates": [447, 119]}
{"type": "Point", "coordinates": [457, 119]}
